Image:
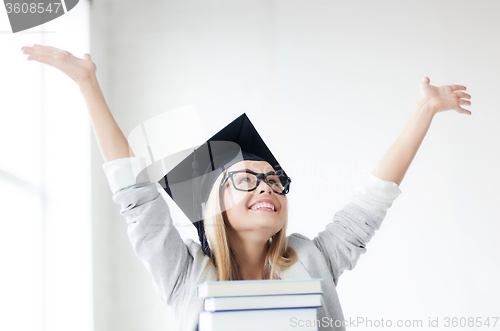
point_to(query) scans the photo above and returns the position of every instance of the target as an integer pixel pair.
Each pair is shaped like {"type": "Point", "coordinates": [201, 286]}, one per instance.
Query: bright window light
{"type": "Point", "coordinates": [45, 242]}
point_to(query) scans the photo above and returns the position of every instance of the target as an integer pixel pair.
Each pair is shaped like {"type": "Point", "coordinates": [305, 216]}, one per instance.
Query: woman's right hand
{"type": "Point", "coordinates": [80, 70]}
{"type": "Point", "coordinates": [110, 138]}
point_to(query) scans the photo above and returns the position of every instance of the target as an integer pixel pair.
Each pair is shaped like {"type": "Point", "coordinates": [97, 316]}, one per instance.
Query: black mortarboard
{"type": "Point", "coordinates": [189, 183]}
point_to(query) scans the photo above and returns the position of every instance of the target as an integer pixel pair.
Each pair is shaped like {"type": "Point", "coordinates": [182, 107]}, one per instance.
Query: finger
{"type": "Point", "coordinates": [464, 102]}
{"type": "Point", "coordinates": [426, 80]}
{"type": "Point", "coordinates": [45, 51]}
{"type": "Point", "coordinates": [463, 111]}
{"type": "Point", "coordinates": [48, 49]}
{"type": "Point", "coordinates": [457, 87]}
{"type": "Point", "coordinates": [34, 50]}
{"type": "Point", "coordinates": [463, 95]}
{"type": "Point", "coordinates": [42, 59]}
{"type": "Point", "coordinates": [27, 49]}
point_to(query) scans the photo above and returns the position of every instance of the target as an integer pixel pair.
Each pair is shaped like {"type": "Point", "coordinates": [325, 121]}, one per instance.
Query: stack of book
{"type": "Point", "coordinates": [260, 305]}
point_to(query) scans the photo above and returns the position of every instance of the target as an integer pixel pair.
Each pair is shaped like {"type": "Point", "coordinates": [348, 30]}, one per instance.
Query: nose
{"type": "Point", "coordinates": [262, 187]}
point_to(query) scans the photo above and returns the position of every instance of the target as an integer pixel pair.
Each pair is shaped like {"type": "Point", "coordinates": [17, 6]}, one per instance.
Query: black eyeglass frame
{"type": "Point", "coordinates": [285, 181]}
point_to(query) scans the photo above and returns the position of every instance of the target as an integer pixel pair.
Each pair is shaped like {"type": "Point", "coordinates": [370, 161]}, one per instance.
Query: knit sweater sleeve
{"type": "Point", "coordinates": [345, 238]}
{"type": "Point", "coordinates": [152, 234]}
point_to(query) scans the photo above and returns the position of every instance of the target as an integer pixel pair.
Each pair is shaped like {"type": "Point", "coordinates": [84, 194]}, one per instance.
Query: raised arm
{"type": "Point", "coordinates": [149, 224]}
{"type": "Point", "coordinates": [112, 142]}
{"type": "Point", "coordinates": [396, 161]}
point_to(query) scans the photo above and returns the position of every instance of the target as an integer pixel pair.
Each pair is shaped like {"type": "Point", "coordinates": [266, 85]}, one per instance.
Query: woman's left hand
{"type": "Point", "coordinates": [442, 98]}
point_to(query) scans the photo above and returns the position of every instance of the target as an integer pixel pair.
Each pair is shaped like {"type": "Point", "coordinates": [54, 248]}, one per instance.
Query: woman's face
{"type": "Point", "coordinates": [248, 213]}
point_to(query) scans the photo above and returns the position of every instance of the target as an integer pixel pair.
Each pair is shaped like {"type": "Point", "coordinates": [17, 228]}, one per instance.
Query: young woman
{"type": "Point", "coordinates": [246, 225]}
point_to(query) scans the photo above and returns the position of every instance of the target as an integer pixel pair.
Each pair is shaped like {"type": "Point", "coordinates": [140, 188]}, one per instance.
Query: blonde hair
{"type": "Point", "coordinates": [278, 257]}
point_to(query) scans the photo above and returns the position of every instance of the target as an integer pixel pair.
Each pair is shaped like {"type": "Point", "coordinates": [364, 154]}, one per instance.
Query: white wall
{"type": "Point", "coordinates": [329, 85]}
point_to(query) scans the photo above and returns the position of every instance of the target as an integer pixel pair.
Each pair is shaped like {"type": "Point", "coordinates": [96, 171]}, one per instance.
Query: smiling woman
{"type": "Point", "coordinates": [238, 204]}
{"type": "Point", "coordinates": [253, 222]}
{"type": "Point", "coordinates": [240, 236]}
{"type": "Point", "coordinates": [242, 205]}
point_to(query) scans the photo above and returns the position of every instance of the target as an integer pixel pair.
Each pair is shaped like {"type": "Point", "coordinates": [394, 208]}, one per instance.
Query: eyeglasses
{"type": "Point", "coordinates": [247, 180]}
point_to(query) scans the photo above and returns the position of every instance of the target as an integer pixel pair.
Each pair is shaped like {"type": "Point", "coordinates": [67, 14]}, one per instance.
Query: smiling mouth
{"type": "Point", "coordinates": [263, 206]}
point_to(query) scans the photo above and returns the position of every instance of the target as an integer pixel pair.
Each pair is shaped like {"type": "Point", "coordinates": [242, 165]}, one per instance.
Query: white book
{"type": "Point", "coordinates": [259, 287]}
{"type": "Point", "coordinates": [263, 302]}
{"type": "Point", "coordinates": [303, 319]}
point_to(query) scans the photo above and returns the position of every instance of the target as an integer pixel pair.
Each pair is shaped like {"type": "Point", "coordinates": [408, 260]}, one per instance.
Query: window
{"type": "Point", "coordinates": [45, 242]}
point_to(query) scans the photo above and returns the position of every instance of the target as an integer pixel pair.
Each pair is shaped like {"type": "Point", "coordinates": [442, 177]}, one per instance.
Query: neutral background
{"type": "Point", "coordinates": [329, 85]}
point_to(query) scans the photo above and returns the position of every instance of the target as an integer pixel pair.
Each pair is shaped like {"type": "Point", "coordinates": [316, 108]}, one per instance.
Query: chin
{"type": "Point", "coordinates": [273, 224]}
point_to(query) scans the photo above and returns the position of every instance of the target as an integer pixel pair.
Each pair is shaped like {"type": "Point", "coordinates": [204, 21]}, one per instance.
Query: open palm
{"type": "Point", "coordinates": [80, 70]}
{"type": "Point", "coordinates": [442, 98]}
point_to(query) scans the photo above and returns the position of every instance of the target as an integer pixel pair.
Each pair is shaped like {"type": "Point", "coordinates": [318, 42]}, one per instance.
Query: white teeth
{"type": "Point", "coordinates": [263, 205]}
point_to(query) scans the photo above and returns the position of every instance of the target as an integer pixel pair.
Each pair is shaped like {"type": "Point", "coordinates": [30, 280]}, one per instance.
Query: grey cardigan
{"type": "Point", "coordinates": [177, 266]}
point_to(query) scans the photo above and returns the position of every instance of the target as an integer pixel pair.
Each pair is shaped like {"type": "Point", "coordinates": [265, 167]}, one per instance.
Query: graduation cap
{"type": "Point", "coordinates": [189, 183]}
